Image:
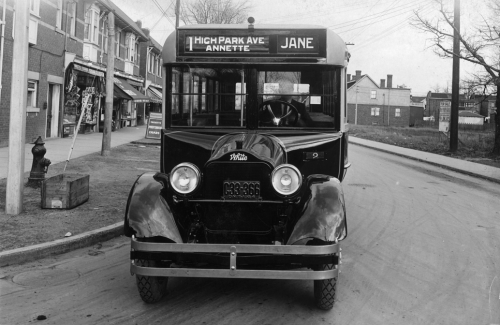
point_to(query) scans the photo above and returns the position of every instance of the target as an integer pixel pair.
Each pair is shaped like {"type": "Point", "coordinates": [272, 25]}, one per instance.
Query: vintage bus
{"type": "Point", "coordinates": [253, 153]}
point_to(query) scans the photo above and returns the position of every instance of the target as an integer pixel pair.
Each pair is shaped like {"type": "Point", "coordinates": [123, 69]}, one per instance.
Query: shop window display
{"type": "Point", "coordinates": [83, 93]}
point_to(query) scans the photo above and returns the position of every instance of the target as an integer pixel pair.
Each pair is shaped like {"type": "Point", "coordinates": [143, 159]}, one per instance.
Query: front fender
{"type": "Point", "coordinates": [321, 212]}
{"type": "Point", "coordinates": [148, 214]}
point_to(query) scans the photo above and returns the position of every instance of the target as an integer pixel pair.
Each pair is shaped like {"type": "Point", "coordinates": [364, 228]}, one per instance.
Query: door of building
{"type": "Point", "coordinates": [53, 111]}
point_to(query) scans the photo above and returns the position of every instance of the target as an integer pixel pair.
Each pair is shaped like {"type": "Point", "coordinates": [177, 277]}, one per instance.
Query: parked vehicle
{"type": "Point", "coordinates": [253, 152]}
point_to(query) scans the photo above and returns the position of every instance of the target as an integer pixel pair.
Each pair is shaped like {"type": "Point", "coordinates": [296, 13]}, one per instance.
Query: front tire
{"type": "Point", "coordinates": [151, 288]}
{"type": "Point", "coordinates": [324, 290]}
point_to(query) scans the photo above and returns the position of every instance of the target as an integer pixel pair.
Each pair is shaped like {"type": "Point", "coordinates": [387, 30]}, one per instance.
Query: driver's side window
{"type": "Point", "coordinates": [312, 94]}
{"type": "Point", "coordinates": [283, 99]}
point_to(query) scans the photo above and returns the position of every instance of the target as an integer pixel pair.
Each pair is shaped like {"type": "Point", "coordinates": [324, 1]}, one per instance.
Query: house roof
{"type": "Point", "coordinates": [469, 114]}
{"type": "Point", "coordinates": [441, 95]}
{"type": "Point", "coordinates": [123, 19]}
{"type": "Point", "coordinates": [485, 97]}
{"type": "Point", "coordinates": [417, 99]}
{"type": "Point", "coordinates": [353, 82]}
{"type": "Point", "coordinates": [448, 96]}
{"type": "Point", "coordinates": [155, 43]}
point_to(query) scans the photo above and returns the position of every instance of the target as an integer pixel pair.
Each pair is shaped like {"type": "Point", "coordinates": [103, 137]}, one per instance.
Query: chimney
{"type": "Point", "coordinates": [348, 77]}
{"type": "Point", "coordinates": [382, 83]}
{"type": "Point", "coordinates": [389, 81]}
{"type": "Point", "coordinates": [358, 74]}
{"type": "Point", "coordinates": [145, 31]}
{"type": "Point", "coordinates": [139, 23]}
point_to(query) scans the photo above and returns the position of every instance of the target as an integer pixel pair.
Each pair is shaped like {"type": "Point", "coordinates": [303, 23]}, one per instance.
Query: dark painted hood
{"type": "Point", "coordinates": [199, 147]}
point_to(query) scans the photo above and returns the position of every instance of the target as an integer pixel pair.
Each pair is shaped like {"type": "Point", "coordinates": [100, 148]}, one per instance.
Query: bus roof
{"type": "Point", "coordinates": [270, 44]}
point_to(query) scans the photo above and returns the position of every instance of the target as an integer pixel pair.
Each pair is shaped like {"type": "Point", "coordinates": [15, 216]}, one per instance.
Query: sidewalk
{"type": "Point", "coordinates": [458, 165]}
{"type": "Point", "coordinates": [58, 149]}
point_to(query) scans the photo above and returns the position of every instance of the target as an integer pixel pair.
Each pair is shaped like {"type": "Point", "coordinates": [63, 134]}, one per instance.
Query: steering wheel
{"type": "Point", "coordinates": [266, 110]}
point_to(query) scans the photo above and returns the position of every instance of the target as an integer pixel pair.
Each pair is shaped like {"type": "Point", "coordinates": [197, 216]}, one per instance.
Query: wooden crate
{"type": "Point", "coordinates": [65, 191]}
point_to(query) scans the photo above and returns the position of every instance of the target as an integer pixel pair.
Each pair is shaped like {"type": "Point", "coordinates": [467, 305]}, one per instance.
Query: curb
{"type": "Point", "coordinates": [60, 246]}
{"type": "Point", "coordinates": [458, 170]}
{"type": "Point", "coordinates": [147, 143]}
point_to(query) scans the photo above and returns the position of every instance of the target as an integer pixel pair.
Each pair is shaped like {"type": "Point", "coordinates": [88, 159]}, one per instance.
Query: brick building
{"type": "Point", "coordinates": [488, 107]}
{"type": "Point", "coordinates": [150, 66]}
{"type": "Point", "coordinates": [56, 27]}
{"type": "Point", "coordinates": [418, 105]}
{"type": "Point", "coordinates": [67, 68]}
{"type": "Point", "coordinates": [86, 72]}
{"type": "Point", "coordinates": [441, 102]}
{"type": "Point", "coordinates": [371, 104]}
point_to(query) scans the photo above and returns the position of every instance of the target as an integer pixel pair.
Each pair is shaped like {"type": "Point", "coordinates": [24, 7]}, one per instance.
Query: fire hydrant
{"type": "Point", "coordinates": [40, 164]}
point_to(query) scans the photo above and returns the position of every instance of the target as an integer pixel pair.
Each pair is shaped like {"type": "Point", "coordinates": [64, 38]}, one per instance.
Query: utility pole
{"type": "Point", "coordinates": [17, 124]}
{"type": "Point", "coordinates": [388, 107]}
{"type": "Point", "coordinates": [356, 110]}
{"type": "Point", "coordinates": [383, 109]}
{"type": "Point", "coordinates": [110, 71]}
{"type": "Point", "coordinates": [455, 80]}
{"type": "Point", "coordinates": [177, 9]}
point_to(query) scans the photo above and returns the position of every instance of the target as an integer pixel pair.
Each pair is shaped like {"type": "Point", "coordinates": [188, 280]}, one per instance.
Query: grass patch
{"type": "Point", "coordinates": [473, 145]}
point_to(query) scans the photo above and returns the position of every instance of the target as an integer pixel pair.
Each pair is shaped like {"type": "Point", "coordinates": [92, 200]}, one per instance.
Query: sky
{"type": "Point", "coordinates": [380, 31]}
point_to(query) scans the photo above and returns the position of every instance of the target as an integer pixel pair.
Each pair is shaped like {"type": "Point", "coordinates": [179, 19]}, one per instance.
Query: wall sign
{"type": "Point", "coordinates": [153, 129]}
{"type": "Point", "coordinates": [444, 117]}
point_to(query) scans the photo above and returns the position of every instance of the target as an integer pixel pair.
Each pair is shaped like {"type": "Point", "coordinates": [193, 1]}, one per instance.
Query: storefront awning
{"type": "Point", "coordinates": [154, 95]}
{"type": "Point", "coordinates": [157, 92]}
{"type": "Point", "coordinates": [133, 93]}
{"type": "Point", "coordinates": [135, 83]}
{"type": "Point", "coordinates": [118, 93]}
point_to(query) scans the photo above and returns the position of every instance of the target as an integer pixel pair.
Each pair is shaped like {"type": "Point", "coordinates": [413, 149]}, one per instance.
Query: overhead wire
{"type": "Point", "coordinates": [392, 11]}
{"type": "Point", "coordinates": [426, 8]}
{"type": "Point", "coordinates": [361, 31]}
{"type": "Point", "coordinates": [315, 13]}
{"type": "Point", "coordinates": [373, 5]}
{"type": "Point", "coordinates": [164, 12]}
{"type": "Point", "coordinates": [163, 15]}
{"type": "Point", "coordinates": [369, 24]}
{"type": "Point", "coordinates": [374, 16]}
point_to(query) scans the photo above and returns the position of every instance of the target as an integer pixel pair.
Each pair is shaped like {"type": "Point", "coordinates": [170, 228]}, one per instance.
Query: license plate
{"type": "Point", "coordinates": [241, 190]}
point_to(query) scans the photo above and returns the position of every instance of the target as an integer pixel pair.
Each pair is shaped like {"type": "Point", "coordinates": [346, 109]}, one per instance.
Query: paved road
{"type": "Point", "coordinates": [423, 248]}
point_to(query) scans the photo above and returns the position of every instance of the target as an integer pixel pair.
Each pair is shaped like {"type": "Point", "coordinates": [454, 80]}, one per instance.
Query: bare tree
{"type": "Point", "coordinates": [214, 11]}
{"type": "Point", "coordinates": [469, 88]}
{"type": "Point", "coordinates": [479, 45]}
{"type": "Point", "coordinates": [446, 89]}
{"type": "Point", "coordinates": [436, 88]}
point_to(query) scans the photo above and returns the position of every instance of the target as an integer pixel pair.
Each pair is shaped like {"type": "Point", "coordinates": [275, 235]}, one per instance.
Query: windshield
{"type": "Point", "coordinates": [306, 97]}
{"type": "Point", "coordinates": [217, 97]}
{"type": "Point", "coordinates": [208, 97]}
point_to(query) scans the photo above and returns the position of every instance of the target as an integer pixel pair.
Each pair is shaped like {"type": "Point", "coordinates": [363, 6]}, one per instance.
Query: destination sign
{"type": "Point", "coordinates": [243, 43]}
{"type": "Point", "coordinates": [301, 44]}
{"type": "Point", "coordinates": [227, 44]}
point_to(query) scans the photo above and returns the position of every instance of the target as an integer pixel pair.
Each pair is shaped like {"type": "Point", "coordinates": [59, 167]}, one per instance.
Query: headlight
{"type": "Point", "coordinates": [184, 178]}
{"type": "Point", "coordinates": [286, 179]}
